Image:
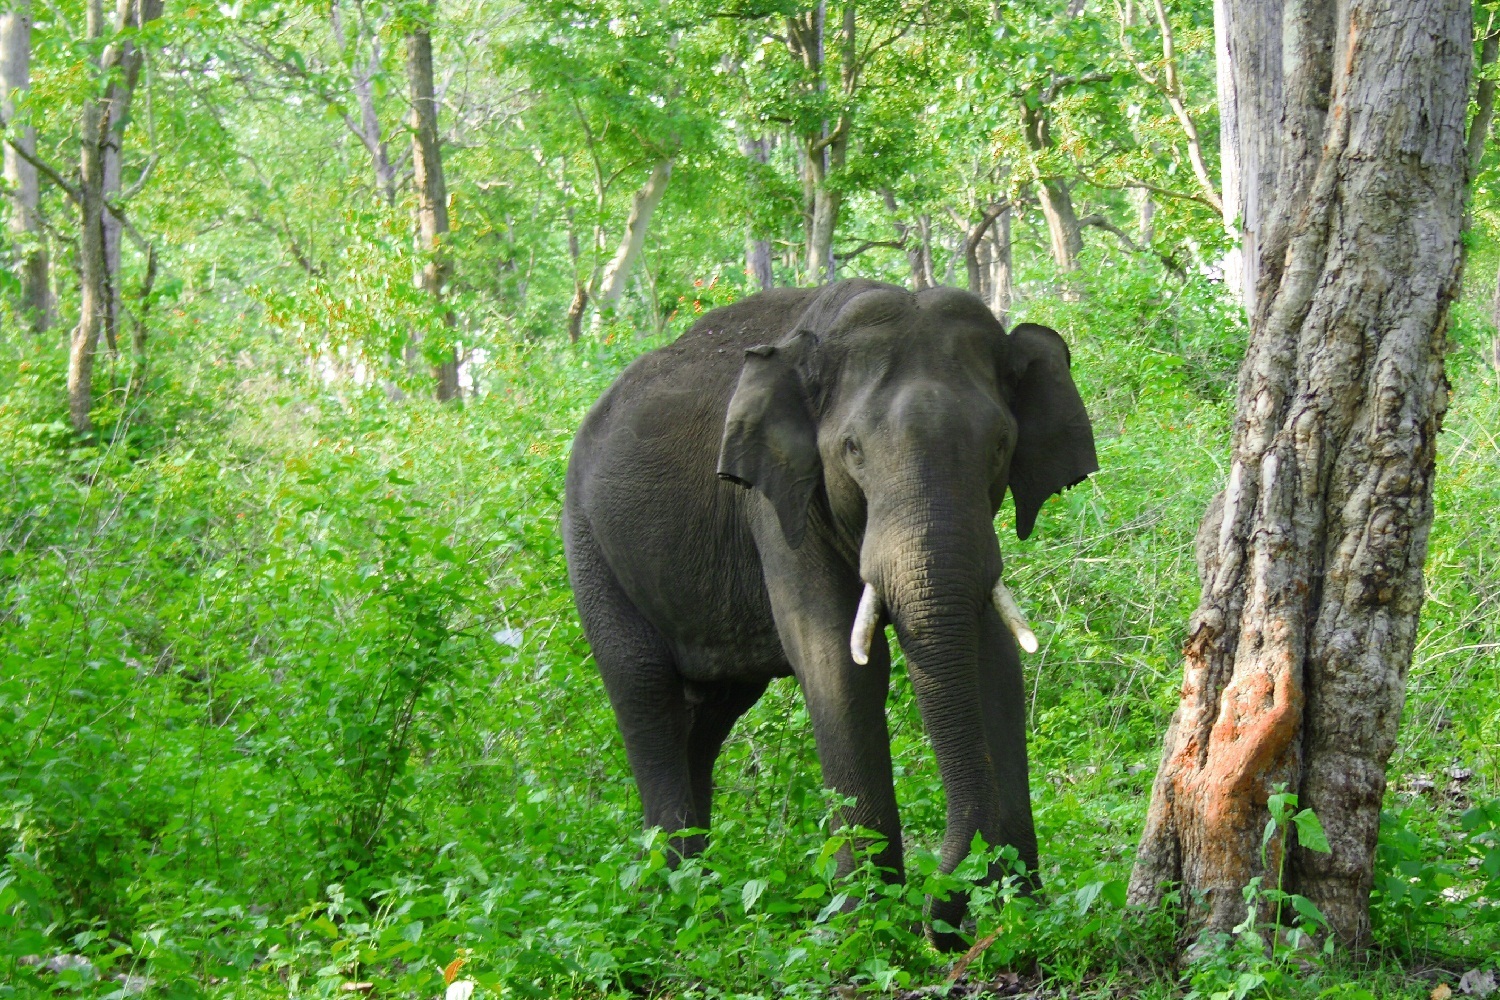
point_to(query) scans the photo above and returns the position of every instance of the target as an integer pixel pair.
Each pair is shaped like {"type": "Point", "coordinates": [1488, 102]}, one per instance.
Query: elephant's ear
{"type": "Point", "coordinates": [1054, 440]}
{"type": "Point", "coordinates": [770, 440]}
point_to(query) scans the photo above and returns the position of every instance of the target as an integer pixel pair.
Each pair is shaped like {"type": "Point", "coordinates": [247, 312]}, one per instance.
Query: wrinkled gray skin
{"type": "Point", "coordinates": [730, 495]}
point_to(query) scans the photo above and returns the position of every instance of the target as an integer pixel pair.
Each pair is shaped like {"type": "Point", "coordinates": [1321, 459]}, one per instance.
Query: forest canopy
{"type": "Point", "coordinates": [301, 308]}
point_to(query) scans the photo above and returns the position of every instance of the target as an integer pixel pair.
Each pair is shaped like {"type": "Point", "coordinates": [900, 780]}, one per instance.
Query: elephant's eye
{"type": "Point", "coordinates": [852, 452]}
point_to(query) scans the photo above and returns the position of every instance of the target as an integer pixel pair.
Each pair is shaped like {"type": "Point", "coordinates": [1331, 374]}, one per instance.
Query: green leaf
{"type": "Point", "coordinates": [1310, 832]}
{"type": "Point", "coordinates": [752, 892]}
{"type": "Point", "coordinates": [1309, 910]}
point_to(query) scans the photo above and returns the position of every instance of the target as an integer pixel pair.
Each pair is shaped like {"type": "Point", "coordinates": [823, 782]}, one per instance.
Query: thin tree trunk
{"type": "Point", "coordinates": [919, 259]}
{"type": "Point", "coordinates": [1311, 559]}
{"type": "Point", "coordinates": [432, 197]}
{"type": "Point", "coordinates": [978, 268]}
{"type": "Point", "coordinates": [1248, 46]}
{"type": "Point", "coordinates": [757, 247]}
{"type": "Point", "coordinates": [1145, 216]}
{"type": "Point", "coordinates": [824, 151]}
{"type": "Point", "coordinates": [758, 263]}
{"type": "Point", "coordinates": [129, 14]}
{"type": "Point", "coordinates": [1062, 223]}
{"type": "Point", "coordinates": [93, 299]}
{"type": "Point", "coordinates": [1484, 101]}
{"type": "Point", "coordinates": [1002, 281]}
{"type": "Point", "coordinates": [642, 207]}
{"type": "Point", "coordinates": [1054, 196]}
{"type": "Point", "coordinates": [575, 311]}
{"type": "Point", "coordinates": [25, 222]}
{"type": "Point", "coordinates": [368, 128]}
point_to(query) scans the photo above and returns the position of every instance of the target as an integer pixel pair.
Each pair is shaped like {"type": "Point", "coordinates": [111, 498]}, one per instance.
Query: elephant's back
{"type": "Point", "coordinates": [709, 355]}
{"type": "Point", "coordinates": [681, 390]}
{"type": "Point", "coordinates": [643, 491]}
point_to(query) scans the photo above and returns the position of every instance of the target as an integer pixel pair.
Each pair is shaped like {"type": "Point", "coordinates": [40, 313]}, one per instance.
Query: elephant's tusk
{"type": "Point", "coordinates": [1010, 612]}
{"type": "Point", "coordinates": [866, 620]}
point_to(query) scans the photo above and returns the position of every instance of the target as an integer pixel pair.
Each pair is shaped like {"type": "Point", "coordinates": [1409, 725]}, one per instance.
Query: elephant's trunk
{"type": "Point", "coordinates": [935, 585]}
{"type": "Point", "coordinates": [938, 583]}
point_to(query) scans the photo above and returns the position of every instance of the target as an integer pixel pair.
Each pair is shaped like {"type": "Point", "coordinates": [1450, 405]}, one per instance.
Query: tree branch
{"type": "Point", "coordinates": [1098, 221]}
{"type": "Point", "coordinates": [1069, 80]}
{"type": "Point", "coordinates": [844, 255]}
{"type": "Point", "coordinates": [1171, 88]}
{"type": "Point", "coordinates": [52, 175]}
{"type": "Point", "coordinates": [1131, 182]}
{"type": "Point", "coordinates": [141, 179]}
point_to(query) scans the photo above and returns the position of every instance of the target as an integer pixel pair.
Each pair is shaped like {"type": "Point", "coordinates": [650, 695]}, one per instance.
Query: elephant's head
{"type": "Point", "coordinates": [893, 424]}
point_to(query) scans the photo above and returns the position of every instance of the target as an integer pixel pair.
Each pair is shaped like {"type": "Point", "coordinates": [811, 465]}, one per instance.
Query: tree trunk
{"type": "Point", "coordinates": [977, 250]}
{"type": "Point", "coordinates": [758, 264]}
{"type": "Point", "coordinates": [824, 150]}
{"type": "Point", "coordinates": [642, 207]}
{"type": "Point", "coordinates": [1062, 223]}
{"type": "Point", "coordinates": [575, 310]}
{"type": "Point", "coordinates": [1053, 194]}
{"type": "Point", "coordinates": [1248, 42]}
{"type": "Point", "coordinates": [1229, 156]}
{"type": "Point", "coordinates": [25, 225]}
{"type": "Point", "coordinates": [757, 247]}
{"type": "Point", "coordinates": [368, 128]}
{"type": "Point", "coordinates": [1002, 288]}
{"type": "Point", "coordinates": [1484, 101]}
{"type": "Point", "coordinates": [1311, 559]}
{"type": "Point", "coordinates": [1145, 216]}
{"type": "Point", "coordinates": [432, 197]}
{"type": "Point", "coordinates": [919, 257]}
{"type": "Point", "coordinates": [129, 14]}
{"type": "Point", "coordinates": [93, 296]}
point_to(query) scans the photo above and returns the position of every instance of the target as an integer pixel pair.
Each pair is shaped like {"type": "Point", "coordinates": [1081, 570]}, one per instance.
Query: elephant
{"type": "Point", "coordinates": [760, 498]}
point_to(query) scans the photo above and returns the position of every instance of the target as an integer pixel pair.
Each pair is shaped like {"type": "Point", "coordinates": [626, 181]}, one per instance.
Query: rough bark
{"type": "Point", "coordinates": [432, 196]}
{"type": "Point", "coordinates": [642, 206]}
{"type": "Point", "coordinates": [1311, 559]}
{"type": "Point", "coordinates": [25, 221]}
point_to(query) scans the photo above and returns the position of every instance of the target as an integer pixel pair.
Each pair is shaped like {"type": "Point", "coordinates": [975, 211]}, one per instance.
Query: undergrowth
{"type": "Point", "coordinates": [294, 697]}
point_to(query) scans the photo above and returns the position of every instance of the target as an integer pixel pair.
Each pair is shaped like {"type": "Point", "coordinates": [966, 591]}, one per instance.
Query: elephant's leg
{"type": "Point", "coordinates": [847, 704]}
{"type": "Point", "coordinates": [1002, 690]}
{"type": "Point", "coordinates": [645, 690]}
{"type": "Point", "coordinates": [713, 718]}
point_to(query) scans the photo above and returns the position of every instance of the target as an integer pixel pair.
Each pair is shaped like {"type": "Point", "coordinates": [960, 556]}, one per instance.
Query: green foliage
{"type": "Point", "coordinates": [292, 693]}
